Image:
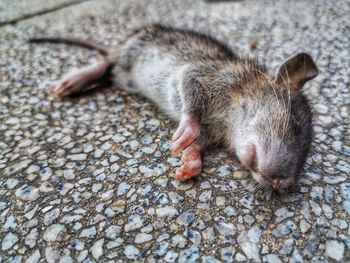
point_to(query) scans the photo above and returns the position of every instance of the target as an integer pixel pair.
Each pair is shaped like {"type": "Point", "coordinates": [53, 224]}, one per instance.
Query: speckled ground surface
{"type": "Point", "coordinates": [88, 178]}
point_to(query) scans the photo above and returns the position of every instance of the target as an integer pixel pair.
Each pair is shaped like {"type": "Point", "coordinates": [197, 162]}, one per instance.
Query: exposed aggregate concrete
{"type": "Point", "coordinates": [89, 178]}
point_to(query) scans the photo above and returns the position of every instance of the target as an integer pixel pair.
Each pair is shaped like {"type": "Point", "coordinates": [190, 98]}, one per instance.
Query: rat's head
{"type": "Point", "coordinates": [273, 128]}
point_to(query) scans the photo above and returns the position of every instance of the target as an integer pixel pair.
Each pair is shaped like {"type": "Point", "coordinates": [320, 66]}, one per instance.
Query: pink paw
{"type": "Point", "coordinates": [187, 132]}
{"type": "Point", "coordinates": [68, 85]}
{"type": "Point", "coordinates": [192, 163]}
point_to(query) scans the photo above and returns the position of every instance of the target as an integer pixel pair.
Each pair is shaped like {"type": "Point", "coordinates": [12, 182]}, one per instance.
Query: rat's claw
{"type": "Point", "coordinates": [186, 134]}
{"type": "Point", "coordinates": [192, 163]}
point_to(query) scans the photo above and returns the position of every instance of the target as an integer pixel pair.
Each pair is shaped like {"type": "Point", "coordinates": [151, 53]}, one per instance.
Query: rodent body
{"type": "Point", "coordinates": [217, 97]}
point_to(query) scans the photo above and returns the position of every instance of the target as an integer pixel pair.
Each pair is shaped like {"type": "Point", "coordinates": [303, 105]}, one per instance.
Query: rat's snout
{"type": "Point", "coordinates": [277, 183]}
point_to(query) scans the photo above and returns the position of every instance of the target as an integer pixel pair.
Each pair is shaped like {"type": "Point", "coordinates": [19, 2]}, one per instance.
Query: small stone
{"type": "Point", "coordinates": [240, 174]}
{"type": "Point", "coordinates": [142, 238]}
{"type": "Point", "coordinates": [341, 224]}
{"type": "Point", "coordinates": [11, 183]}
{"type": "Point", "coordinates": [134, 222]}
{"type": "Point", "coordinates": [335, 250]}
{"type": "Point", "coordinates": [251, 250]}
{"type": "Point", "coordinates": [175, 197]}
{"type": "Point", "coordinates": [77, 157]}
{"type": "Point", "coordinates": [27, 193]}
{"type": "Point", "coordinates": [179, 241]}
{"type": "Point", "coordinates": [97, 249]}
{"type": "Point", "coordinates": [186, 218]}
{"type": "Point", "coordinates": [304, 226]}
{"type": "Point", "coordinates": [34, 257]}
{"type": "Point", "coordinates": [283, 213]}
{"type": "Point", "coordinates": [153, 170]}
{"type": "Point", "coordinates": [284, 229]}
{"type": "Point", "coordinates": [131, 252]}
{"type": "Point", "coordinates": [112, 232]}
{"type": "Point", "coordinates": [272, 258]}
{"type": "Point", "coordinates": [230, 211]}
{"type": "Point", "coordinates": [240, 257]}
{"type": "Point", "coordinates": [208, 235]}
{"type": "Point", "coordinates": [254, 234]}
{"type": "Point", "coordinates": [88, 232]}
{"type": "Point", "coordinates": [9, 241]}
{"type": "Point", "coordinates": [194, 236]}
{"type": "Point", "coordinates": [46, 187]}
{"type": "Point", "coordinates": [119, 206]}
{"type": "Point", "coordinates": [171, 256]}
{"type": "Point", "coordinates": [220, 201]}
{"type": "Point", "coordinates": [56, 232]}
{"type": "Point", "coordinates": [51, 216]}
{"type": "Point", "coordinates": [312, 244]}
{"type": "Point", "coordinates": [287, 247]}
{"type": "Point", "coordinates": [160, 249]}
{"type": "Point", "coordinates": [227, 254]}
{"type": "Point", "coordinates": [190, 255]}
{"type": "Point", "coordinates": [224, 170]}
{"type": "Point", "coordinates": [209, 259]}
{"type": "Point", "coordinates": [123, 188]}
{"type": "Point", "coordinates": [334, 179]}
{"type": "Point", "coordinates": [205, 196]}
{"type": "Point", "coordinates": [345, 191]}
{"type": "Point", "coordinates": [167, 211]}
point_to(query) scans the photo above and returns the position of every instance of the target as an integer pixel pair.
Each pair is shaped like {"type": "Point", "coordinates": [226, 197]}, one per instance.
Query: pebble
{"type": "Point", "coordinates": [9, 241]}
{"type": "Point", "coordinates": [190, 255]}
{"type": "Point", "coordinates": [142, 238]}
{"type": "Point", "coordinates": [171, 256]}
{"type": "Point", "coordinates": [51, 216]}
{"type": "Point", "coordinates": [335, 250]}
{"type": "Point", "coordinates": [227, 254]}
{"type": "Point", "coordinates": [77, 157]}
{"type": "Point", "coordinates": [88, 232]}
{"type": "Point", "coordinates": [55, 232]}
{"type": "Point", "coordinates": [287, 247]}
{"type": "Point", "coordinates": [272, 258]}
{"type": "Point", "coordinates": [27, 193]}
{"type": "Point", "coordinates": [230, 211]}
{"type": "Point", "coordinates": [131, 252]}
{"type": "Point", "coordinates": [251, 250]}
{"type": "Point", "coordinates": [97, 249]}
{"type": "Point", "coordinates": [186, 218]}
{"type": "Point", "coordinates": [345, 191]}
{"type": "Point", "coordinates": [134, 222]}
{"type": "Point", "coordinates": [123, 188]}
{"type": "Point", "coordinates": [283, 229]}
{"type": "Point", "coordinates": [153, 170]}
{"type": "Point", "coordinates": [167, 211]}
{"type": "Point", "coordinates": [112, 232]}
{"type": "Point", "coordinates": [312, 244]}
{"type": "Point", "coordinates": [160, 249]}
{"type": "Point", "coordinates": [334, 179]}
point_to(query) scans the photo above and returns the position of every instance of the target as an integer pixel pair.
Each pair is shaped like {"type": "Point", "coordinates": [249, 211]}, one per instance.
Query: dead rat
{"type": "Point", "coordinates": [216, 96]}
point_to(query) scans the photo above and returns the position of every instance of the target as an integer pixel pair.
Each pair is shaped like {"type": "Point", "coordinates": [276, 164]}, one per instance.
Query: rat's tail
{"type": "Point", "coordinates": [73, 41]}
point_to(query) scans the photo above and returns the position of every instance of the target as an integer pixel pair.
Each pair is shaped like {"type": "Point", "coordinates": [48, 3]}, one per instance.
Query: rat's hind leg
{"type": "Point", "coordinates": [79, 79]}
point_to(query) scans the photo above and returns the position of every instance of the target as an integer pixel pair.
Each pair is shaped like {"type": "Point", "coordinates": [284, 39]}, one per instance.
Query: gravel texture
{"type": "Point", "coordinates": [89, 178]}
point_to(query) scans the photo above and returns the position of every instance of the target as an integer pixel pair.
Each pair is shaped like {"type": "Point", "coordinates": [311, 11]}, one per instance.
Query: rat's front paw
{"type": "Point", "coordinates": [192, 163]}
{"type": "Point", "coordinates": [187, 132]}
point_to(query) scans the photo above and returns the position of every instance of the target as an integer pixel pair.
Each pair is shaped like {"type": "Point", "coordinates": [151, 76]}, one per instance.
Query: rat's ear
{"type": "Point", "coordinates": [297, 70]}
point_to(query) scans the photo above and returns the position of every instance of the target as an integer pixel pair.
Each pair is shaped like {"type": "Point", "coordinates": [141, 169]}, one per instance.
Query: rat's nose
{"type": "Point", "coordinates": [277, 184]}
